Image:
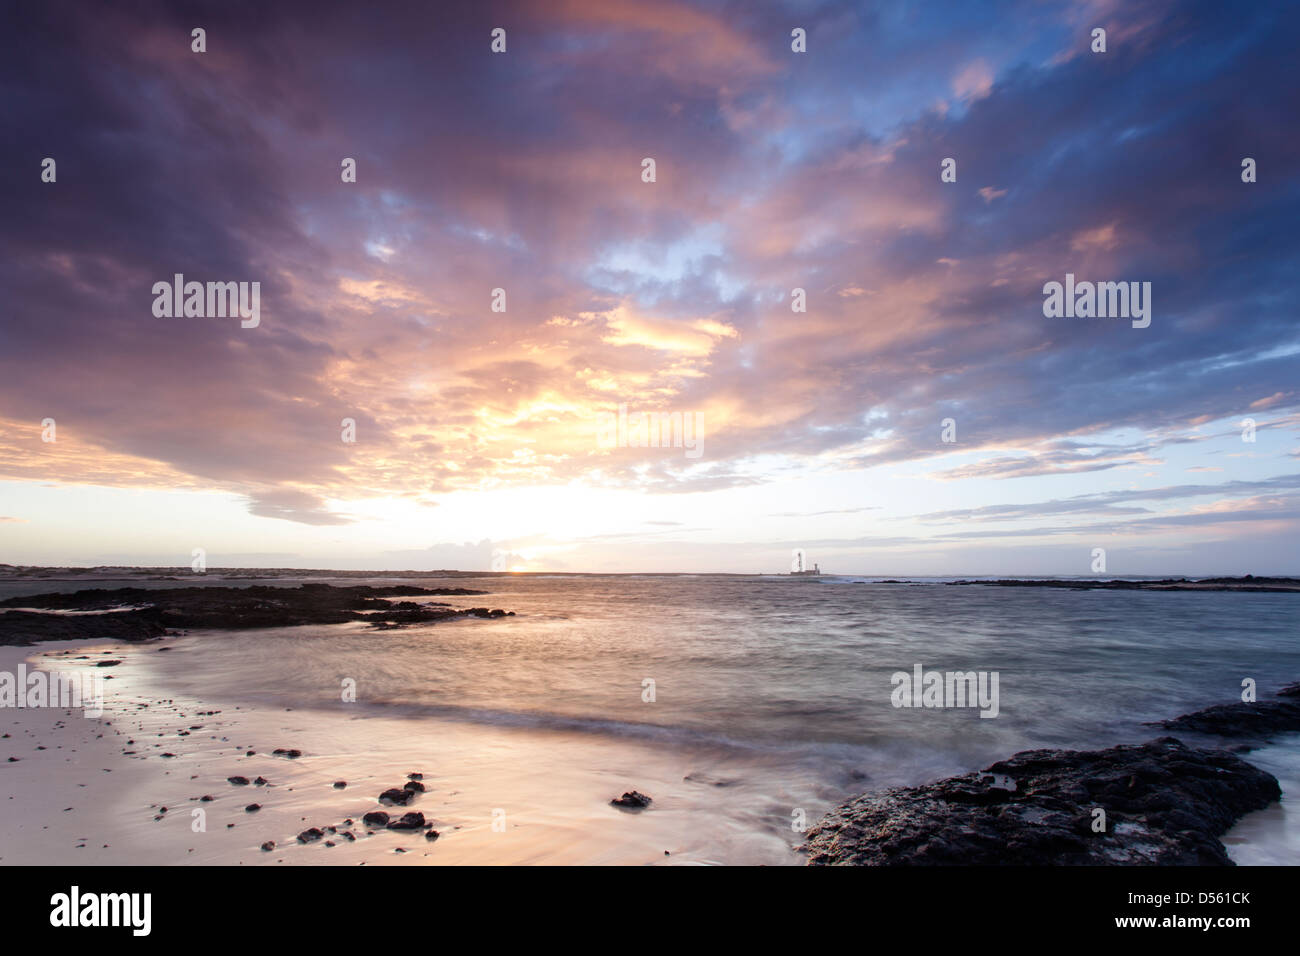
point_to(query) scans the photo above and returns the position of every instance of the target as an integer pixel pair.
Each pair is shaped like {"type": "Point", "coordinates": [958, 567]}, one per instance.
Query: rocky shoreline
{"type": "Point", "coordinates": [117, 572]}
{"type": "Point", "coordinates": [1245, 583]}
{"type": "Point", "coordinates": [1158, 803]}
{"type": "Point", "coordinates": [139, 614]}
{"type": "Point", "coordinates": [1256, 720]}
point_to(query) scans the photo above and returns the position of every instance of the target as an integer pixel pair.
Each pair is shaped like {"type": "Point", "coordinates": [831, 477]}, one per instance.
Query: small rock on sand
{"type": "Point", "coordinates": [633, 800]}
{"type": "Point", "coordinates": [409, 821]}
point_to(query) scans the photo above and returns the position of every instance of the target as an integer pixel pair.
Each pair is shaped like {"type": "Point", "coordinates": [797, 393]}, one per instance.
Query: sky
{"type": "Point", "coordinates": [485, 423]}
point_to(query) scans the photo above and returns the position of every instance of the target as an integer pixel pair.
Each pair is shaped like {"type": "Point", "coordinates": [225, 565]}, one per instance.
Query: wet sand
{"type": "Point", "coordinates": [94, 794]}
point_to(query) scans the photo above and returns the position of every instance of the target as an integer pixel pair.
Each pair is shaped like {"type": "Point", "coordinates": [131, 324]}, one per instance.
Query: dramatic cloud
{"type": "Point", "coordinates": [522, 172]}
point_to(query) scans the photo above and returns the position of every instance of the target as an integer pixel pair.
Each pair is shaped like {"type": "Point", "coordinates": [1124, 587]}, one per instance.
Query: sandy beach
{"type": "Point", "coordinates": [94, 794]}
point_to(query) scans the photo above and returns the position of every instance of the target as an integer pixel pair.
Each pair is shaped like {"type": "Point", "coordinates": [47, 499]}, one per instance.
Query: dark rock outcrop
{"type": "Point", "coordinates": [151, 613]}
{"type": "Point", "coordinates": [1164, 804]}
{"type": "Point", "coordinates": [1245, 583]}
{"type": "Point", "coordinates": [1260, 719]}
{"type": "Point", "coordinates": [30, 627]}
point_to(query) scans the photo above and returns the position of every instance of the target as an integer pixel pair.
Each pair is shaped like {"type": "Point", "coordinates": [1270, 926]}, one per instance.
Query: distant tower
{"type": "Point", "coordinates": [799, 565]}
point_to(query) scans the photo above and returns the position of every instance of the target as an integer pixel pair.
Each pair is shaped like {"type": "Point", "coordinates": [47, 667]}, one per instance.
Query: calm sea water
{"type": "Point", "coordinates": [795, 670]}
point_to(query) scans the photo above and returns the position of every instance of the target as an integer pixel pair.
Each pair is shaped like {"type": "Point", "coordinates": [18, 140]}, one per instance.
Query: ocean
{"type": "Point", "coordinates": [778, 689]}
